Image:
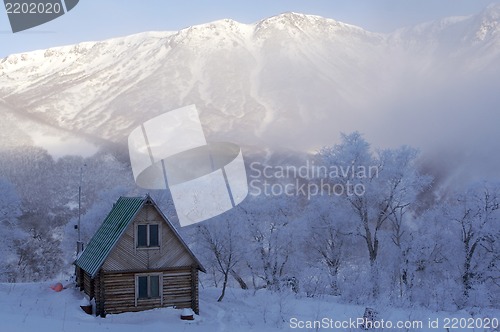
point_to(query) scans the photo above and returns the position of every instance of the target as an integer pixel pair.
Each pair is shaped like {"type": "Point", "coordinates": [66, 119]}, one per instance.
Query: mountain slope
{"type": "Point", "coordinates": [243, 77]}
{"type": "Point", "coordinates": [291, 81]}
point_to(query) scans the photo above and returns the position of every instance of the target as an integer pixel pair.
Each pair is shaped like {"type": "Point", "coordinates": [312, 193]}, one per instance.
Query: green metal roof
{"type": "Point", "coordinates": [111, 230]}
{"type": "Point", "coordinates": [104, 240]}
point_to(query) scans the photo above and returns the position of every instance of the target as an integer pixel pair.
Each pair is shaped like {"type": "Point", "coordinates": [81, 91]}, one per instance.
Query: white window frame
{"type": "Point", "coordinates": [136, 235]}
{"type": "Point", "coordinates": [160, 286]}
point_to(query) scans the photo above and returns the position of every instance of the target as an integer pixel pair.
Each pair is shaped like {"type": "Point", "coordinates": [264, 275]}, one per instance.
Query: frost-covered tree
{"type": "Point", "coordinates": [324, 244]}
{"type": "Point", "coordinates": [31, 171]}
{"type": "Point", "coordinates": [10, 204]}
{"type": "Point", "coordinates": [429, 262]}
{"type": "Point", "coordinates": [223, 245]}
{"type": "Point", "coordinates": [39, 257]}
{"type": "Point", "coordinates": [271, 233]}
{"type": "Point", "coordinates": [10, 210]}
{"type": "Point", "coordinates": [48, 192]}
{"type": "Point", "coordinates": [387, 182]}
{"type": "Point", "coordinates": [476, 216]}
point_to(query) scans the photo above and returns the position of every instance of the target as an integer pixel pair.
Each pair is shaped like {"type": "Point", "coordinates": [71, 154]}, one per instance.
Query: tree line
{"type": "Point", "coordinates": [404, 241]}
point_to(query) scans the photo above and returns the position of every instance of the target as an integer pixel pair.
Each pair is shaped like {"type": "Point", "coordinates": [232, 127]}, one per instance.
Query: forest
{"type": "Point", "coordinates": [405, 240]}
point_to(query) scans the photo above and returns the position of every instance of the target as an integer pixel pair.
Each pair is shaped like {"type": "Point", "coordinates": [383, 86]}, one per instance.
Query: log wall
{"type": "Point", "coordinates": [177, 288]}
{"type": "Point", "coordinates": [195, 303]}
{"type": "Point", "coordinates": [80, 275]}
{"type": "Point", "coordinates": [88, 285]}
{"type": "Point", "coordinates": [99, 294]}
{"type": "Point", "coordinates": [118, 291]}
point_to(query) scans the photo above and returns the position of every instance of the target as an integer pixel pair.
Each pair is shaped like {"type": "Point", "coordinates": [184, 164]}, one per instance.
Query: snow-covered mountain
{"type": "Point", "coordinates": [291, 81]}
{"type": "Point", "coordinates": [244, 77]}
{"type": "Point", "coordinates": [472, 41]}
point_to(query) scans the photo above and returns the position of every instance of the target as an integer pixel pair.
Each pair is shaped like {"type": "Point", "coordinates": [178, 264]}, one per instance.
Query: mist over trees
{"type": "Point", "coordinates": [393, 244]}
{"type": "Point", "coordinates": [390, 244]}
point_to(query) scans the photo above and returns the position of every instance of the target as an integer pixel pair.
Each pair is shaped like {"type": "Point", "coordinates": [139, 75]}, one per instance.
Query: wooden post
{"type": "Point", "coordinates": [194, 291]}
{"type": "Point", "coordinates": [97, 295]}
{"type": "Point", "coordinates": [102, 292]}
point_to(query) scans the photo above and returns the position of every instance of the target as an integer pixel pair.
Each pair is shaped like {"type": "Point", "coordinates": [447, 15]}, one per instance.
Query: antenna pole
{"type": "Point", "coordinates": [79, 243]}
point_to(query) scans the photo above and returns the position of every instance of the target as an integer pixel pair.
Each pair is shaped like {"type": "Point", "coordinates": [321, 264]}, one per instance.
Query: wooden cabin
{"type": "Point", "coordinates": [137, 261]}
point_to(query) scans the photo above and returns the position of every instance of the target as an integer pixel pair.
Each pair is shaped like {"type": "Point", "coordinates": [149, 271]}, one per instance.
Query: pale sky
{"type": "Point", "coordinates": [103, 19]}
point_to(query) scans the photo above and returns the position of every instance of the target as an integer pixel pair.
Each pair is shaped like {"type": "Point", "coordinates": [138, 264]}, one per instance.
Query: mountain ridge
{"type": "Point", "coordinates": [292, 80]}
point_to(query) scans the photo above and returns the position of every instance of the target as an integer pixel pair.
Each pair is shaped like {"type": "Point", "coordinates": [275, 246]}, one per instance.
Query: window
{"type": "Point", "coordinates": [148, 236]}
{"type": "Point", "coordinates": [153, 236]}
{"type": "Point", "coordinates": [148, 286]}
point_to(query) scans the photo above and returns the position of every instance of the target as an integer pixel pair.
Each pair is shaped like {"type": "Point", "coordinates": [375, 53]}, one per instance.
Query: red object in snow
{"type": "Point", "coordinates": [57, 287]}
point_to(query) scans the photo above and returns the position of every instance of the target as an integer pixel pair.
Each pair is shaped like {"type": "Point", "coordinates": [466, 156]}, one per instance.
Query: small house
{"type": "Point", "coordinates": [137, 261]}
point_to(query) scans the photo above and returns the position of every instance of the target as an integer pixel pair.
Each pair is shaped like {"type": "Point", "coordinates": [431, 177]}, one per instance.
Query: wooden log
{"type": "Point", "coordinates": [179, 289]}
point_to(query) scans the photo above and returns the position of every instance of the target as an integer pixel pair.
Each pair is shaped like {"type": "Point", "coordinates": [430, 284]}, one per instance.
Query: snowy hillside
{"type": "Point", "coordinates": [274, 83]}
{"type": "Point", "coordinates": [28, 307]}
{"type": "Point", "coordinates": [471, 42]}
{"type": "Point", "coordinates": [239, 73]}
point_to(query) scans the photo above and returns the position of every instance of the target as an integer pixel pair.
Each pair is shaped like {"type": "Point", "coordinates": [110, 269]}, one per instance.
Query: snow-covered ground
{"type": "Point", "coordinates": [36, 307]}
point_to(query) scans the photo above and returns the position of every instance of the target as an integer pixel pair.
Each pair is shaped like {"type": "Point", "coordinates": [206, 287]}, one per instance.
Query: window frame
{"type": "Point", "coordinates": [160, 287]}
{"type": "Point", "coordinates": [148, 235]}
